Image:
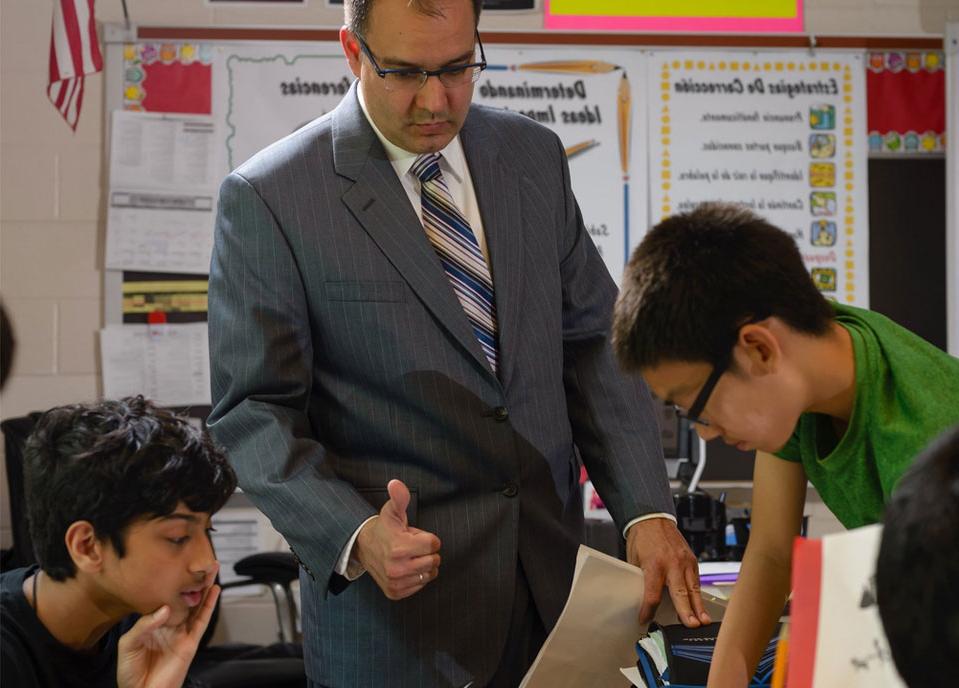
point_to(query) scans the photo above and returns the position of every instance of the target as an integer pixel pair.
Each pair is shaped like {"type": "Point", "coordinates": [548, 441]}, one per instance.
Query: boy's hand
{"type": "Point", "coordinates": [152, 655]}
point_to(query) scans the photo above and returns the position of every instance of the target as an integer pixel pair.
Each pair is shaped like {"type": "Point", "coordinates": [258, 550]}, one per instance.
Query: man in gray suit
{"type": "Point", "coordinates": [409, 351]}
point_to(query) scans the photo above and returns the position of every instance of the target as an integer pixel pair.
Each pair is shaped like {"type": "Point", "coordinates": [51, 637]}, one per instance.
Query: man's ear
{"type": "Point", "coordinates": [761, 348]}
{"type": "Point", "coordinates": [351, 48]}
{"type": "Point", "coordinates": [85, 549]}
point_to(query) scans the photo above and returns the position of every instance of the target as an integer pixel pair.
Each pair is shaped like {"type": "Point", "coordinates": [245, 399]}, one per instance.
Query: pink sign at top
{"type": "Point", "coordinates": [711, 16]}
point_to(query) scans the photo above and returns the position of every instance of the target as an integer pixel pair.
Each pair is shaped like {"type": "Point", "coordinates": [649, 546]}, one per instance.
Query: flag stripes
{"type": "Point", "coordinates": [74, 53]}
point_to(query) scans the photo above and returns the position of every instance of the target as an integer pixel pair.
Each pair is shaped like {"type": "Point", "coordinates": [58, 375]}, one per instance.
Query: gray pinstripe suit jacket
{"type": "Point", "coordinates": [341, 359]}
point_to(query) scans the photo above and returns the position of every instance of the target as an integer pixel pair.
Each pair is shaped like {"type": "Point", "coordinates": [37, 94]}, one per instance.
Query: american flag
{"type": "Point", "coordinates": [74, 53]}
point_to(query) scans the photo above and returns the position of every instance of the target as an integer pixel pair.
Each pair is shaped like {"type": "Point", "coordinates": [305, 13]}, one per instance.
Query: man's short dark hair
{"type": "Point", "coordinates": [111, 463]}
{"type": "Point", "coordinates": [697, 277]}
{"type": "Point", "coordinates": [357, 12]}
{"type": "Point", "coordinates": [917, 573]}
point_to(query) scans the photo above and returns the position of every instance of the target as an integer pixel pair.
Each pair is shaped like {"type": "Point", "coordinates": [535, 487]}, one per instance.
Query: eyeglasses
{"type": "Point", "coordinates": [411, 79]}
{"type": "Point", "coordinates": [693, 415]}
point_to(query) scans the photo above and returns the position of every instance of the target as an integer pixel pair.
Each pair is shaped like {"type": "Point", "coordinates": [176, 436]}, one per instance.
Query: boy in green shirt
{"type": "Point", "coordinates": [719, 314]}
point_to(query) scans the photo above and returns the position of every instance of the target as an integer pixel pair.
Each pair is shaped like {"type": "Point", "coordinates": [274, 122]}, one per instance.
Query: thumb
{"type": "Point", "coordinates": [144, 626]}
{"type": "Point", "coordinates": [395, 509]}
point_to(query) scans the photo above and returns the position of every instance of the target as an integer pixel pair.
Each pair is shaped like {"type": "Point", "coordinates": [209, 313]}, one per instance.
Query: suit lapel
{"type": "Point", "coordinates": [497, 186]}
{"type": "Point", "coordinates": [379, 203]}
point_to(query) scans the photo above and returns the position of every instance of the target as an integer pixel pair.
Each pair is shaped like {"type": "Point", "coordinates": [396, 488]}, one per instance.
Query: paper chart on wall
{"type": "Point", "coordinates": [169, 364]}
{"type": "Point", "coordinates": [237, 533]}
{"type": "Point", "coordinates": [782, 133]}
{"type": "Point", "coordinates": [163, 179]}
{"type": "Point", "coordinates": [264, 92]}
{"type": "Point", "coordinates": [593, 100]}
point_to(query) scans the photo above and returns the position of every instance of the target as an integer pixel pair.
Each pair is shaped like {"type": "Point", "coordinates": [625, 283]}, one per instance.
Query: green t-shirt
{"type": "Point", "coordinates": [907, 393]}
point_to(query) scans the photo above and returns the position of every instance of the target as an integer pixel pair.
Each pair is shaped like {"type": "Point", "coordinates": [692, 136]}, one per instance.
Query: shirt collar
{"type": "Point", "coordinates": [453, 161]}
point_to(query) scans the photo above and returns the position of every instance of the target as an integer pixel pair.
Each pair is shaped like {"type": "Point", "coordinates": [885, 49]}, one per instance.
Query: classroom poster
{"type": "Point", "coordinates": [167, 77]}
{"type": "Point", "coordinates": [906, 104]}
{"type": "Point", "coordinates": [167, 363]}
{"type": "Point", "coordinates": [593, 100]}
{"type": "Point", "coordinates": [782, 133]}
{"type": "Point", "coordinates": [265, 91]}
{"type": "Point", "coordinates": [162, 196]}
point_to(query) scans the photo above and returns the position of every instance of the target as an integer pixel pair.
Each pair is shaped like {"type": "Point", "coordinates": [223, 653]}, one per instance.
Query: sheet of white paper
{"type": "Point", "coordinates": [153, 232]}
{"type": "Point", "coordinates": [597, 632]}
{"type": "Point", "coordinates": [169, 364]}
{"type": "Point", "coordinates": [162, 192]}
{"type": "Point", "coordinates": [851, 647]}
{"type": "Point", "coordinates": [632, 673]}
{"type": "Point", "coordinates": [237, 534]}
{"type": "Point", "coordinates": [162, 151]}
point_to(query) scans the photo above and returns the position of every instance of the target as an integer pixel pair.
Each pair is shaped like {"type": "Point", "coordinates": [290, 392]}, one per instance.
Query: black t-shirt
{"type": "Point", "coordinates": [33, 658]}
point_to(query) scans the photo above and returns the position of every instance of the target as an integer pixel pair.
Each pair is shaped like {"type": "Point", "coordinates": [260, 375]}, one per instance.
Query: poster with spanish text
{"type": "Point", "coordinates": [781, 133]}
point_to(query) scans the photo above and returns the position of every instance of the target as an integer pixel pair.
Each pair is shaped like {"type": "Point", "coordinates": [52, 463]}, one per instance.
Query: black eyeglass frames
{"type": "Point", "coordinates": [693, 415]}
{"type": "Point", "coordinates": [410, 79]}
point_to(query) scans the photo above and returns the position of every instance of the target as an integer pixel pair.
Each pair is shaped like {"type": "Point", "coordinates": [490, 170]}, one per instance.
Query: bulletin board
{"type": "Point", "coordinates": [652, 124]}
{"type": "Point", "coordinates": [599, 93]}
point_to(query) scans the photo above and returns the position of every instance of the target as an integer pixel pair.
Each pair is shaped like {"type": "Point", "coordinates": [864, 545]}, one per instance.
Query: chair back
{"type": "Point", "coordinates": [15, 434]}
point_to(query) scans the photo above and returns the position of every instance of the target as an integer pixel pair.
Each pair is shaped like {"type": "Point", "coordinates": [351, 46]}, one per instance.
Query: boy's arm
{"type": "Point", "coordinates": [779, 495]}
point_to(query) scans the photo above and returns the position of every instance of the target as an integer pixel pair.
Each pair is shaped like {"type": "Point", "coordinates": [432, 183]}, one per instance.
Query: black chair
{"type": "Point", "coordinates": [277, 571]}
{"type": "Point", "coordinates": [15, 433]}
{"type": "Point", "coordinates": [234, 665]}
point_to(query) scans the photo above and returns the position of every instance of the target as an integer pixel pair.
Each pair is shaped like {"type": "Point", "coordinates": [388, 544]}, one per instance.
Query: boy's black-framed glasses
{"type": "Point", "coordinates": [411, 79]}
{"type": "Point", "coordinates": [695, 411]}
{"type": "Point", "coordinates": [694, 414]}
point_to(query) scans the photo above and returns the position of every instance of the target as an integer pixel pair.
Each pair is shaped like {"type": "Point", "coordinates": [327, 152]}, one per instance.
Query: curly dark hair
{"type": "Point", "coordinates": [111, 463]}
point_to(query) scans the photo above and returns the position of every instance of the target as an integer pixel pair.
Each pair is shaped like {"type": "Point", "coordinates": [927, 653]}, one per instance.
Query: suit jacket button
{"type": "Point", "coordinates": [511, 490]}
{"type": "Point", "coordinates": [500, 413]}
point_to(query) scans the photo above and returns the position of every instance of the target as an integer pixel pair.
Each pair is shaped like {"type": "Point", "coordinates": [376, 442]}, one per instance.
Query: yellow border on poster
{"type": "Point", "coordinates": [740, 9]}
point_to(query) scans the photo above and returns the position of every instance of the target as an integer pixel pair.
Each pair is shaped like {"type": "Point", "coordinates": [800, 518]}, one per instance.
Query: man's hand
{"type": "Point", "coordinates": [657, 547]}
{"type": "Point", "coordinates": [152, 655]}
{"type": "Point", "coordinates": [401, 559]}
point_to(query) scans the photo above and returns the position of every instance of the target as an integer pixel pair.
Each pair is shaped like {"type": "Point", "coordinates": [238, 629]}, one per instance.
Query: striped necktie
{"type": "Point", "coordinates": [458, 250]}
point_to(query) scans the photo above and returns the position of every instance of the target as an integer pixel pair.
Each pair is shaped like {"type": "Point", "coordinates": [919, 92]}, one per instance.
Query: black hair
{"type": "Point", "coordinates": [111, 463]}
{"type": "Point", "coordinates": [918, 567]}
{"type": "Point", "coordinates": [697, 277]}
{"type": "Point", "coordinates": [358, 12]}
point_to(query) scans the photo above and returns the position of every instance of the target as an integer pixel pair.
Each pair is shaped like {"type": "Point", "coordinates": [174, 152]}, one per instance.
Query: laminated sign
{"type": "Point", "coordinates": [836, 637]}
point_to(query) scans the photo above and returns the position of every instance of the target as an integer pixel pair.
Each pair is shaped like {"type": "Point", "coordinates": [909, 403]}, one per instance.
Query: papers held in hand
{"type": "Point", "coordinates": [597, 632]}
